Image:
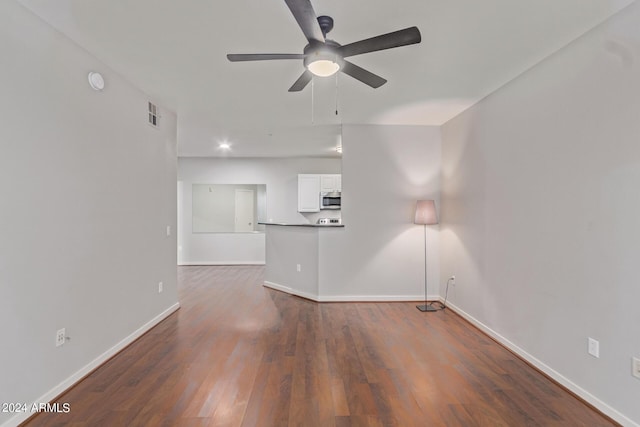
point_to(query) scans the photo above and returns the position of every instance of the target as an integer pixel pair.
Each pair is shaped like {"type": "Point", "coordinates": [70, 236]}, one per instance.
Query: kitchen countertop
{"type": "Point", "coordinates": [283, 224]}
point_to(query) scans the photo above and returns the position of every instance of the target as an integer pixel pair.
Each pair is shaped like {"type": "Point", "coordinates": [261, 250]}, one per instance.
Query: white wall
{"type": "Point", "coordinates": [541, 213]}
{"type": "Point", "coordinates": [281, 178]}
{"type": "Point", "coordinates": [88, 189]}
{"type": "Point", "coordinates": [379, 254]}
{"type": "Point", "coordinates": [214, 206]}
{"type": "Point", "coordinates": [288, 247]}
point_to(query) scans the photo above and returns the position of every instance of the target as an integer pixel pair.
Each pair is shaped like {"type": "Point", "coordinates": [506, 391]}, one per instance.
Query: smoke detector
{"type": "Point", "coordinates": [96, 81]}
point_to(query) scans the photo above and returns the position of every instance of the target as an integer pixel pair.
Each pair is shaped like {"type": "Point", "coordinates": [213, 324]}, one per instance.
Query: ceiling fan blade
{"type": "Point", "coordinates": [302, 81]}
{"type": "Point", "coordinates": [307, 19]}
{"type": "Point", "coordinates": [363, 75]}
{"type": "Point", "coordinates": [236, 57]}
{"type": "Point", "coordinates": [384, 41]}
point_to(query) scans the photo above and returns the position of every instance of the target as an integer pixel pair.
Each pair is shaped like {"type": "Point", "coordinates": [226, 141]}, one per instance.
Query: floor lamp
{"type": "Point", "coordinates": [426, 215]}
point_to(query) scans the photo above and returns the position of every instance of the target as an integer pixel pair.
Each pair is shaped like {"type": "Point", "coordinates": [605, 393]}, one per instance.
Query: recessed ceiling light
{"type": "Point", "coordinates": [225, 146]}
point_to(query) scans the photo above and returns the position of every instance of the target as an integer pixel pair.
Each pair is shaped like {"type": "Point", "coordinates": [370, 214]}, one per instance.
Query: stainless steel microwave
{"type": "Point", "coordinates": [330, 200]}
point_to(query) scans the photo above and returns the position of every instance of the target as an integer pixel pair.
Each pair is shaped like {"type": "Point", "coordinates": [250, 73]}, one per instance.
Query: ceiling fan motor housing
{"type": "Point", "coordinates": [322, 51]}
{"type": "Point", "coordinates": [326, 24]}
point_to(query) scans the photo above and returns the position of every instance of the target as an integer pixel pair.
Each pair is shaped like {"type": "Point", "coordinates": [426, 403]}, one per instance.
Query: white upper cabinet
{"type": "Point", "coordinates": [308, 193]}
{"type": "Point", "coordinates": [330, 183]}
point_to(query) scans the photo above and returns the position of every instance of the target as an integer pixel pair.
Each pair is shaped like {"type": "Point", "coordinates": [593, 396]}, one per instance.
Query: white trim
{"type": "Point", "coordinates": [192, 263]}
{"type": "Point", "coordinates": [290, 291]}
{"type": "Point", "coordinates": [377, 298]}
{"type": "Point", "coordinates": [556, 376]}
{"type": "Point", "coordinates": [95, 363]}
{"type": "Point", "coordinates": [350, 298]}
{"type": "Point", "coordinates": [277, 287]}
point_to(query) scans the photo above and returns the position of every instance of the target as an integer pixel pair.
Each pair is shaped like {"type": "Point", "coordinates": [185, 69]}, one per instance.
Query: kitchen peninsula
{"type": "Point", "coordinates": [296, 256]}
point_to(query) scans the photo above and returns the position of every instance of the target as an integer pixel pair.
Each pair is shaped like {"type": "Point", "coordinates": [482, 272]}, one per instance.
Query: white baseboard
{"type": "Point", "coordinates": [556, 376]}
{"type": "Point", "coordinates": [195, 263]}
{"type": "Point", "coordinates": [291, 291]}
{"type": "Point", "coordinates": [69, 382]}
{"type": "Point", "coordinates": [377, 298]}
{"type": "Point", "coordinates": [349, 298]}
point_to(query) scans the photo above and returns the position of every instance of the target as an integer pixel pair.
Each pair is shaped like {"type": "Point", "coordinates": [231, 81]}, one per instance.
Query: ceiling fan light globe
{"type": "Point", "coordinates": [323, 67]}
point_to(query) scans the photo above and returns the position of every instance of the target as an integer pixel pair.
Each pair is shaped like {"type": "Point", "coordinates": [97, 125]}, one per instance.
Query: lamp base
{"type": "Point", "coordinates": [426, 307]}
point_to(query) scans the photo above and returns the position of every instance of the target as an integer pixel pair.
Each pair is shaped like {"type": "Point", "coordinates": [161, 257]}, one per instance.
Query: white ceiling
{"type": "Point", "coordinates": [175, 52]}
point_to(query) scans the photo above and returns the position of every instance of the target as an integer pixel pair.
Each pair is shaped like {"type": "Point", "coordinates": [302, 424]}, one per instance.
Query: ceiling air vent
{"type": "Point", "coordinates": [153, 115]}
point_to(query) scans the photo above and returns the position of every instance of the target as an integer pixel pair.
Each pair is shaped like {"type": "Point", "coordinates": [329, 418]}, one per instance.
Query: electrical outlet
{"type": "Point", "coordinates": [298, 268]}
{"type": "Point", "coordinates": [453, 280]}
{"type": "Point", "coordinates": [168, 230]}
{"type": "Point", "coordinates": [594, 347]}
{"type": "Point", "coordinates": [160, 286]}
{"type": "Point", "coordinates": [60, 337]}
{"type": "Point", "coordinates": [635, 367]}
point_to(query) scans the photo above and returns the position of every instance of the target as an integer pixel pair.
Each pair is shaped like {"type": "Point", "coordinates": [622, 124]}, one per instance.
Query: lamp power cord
{"type": "Point", "coordinates": [441, 305]}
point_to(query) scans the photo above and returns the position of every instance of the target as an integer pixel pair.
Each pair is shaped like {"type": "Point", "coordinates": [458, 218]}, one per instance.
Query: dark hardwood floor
{"type": "Point", "coordinates": [239, 354]}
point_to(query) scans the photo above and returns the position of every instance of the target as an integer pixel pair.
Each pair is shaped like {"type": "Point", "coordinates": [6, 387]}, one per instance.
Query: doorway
{"type": "Point", "coordinates": [244, 211]}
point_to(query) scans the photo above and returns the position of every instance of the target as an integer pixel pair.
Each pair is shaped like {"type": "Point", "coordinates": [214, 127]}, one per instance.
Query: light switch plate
{"type": "Point", "coordinates": [594, 347]}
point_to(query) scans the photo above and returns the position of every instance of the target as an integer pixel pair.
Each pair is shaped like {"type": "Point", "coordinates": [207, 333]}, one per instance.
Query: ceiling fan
{"type": "Point", "coordinates": [324, 57]}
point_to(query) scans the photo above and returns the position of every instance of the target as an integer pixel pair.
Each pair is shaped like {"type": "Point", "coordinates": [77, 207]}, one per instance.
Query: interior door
{"type": "Point", "coordinates": [244, 220]}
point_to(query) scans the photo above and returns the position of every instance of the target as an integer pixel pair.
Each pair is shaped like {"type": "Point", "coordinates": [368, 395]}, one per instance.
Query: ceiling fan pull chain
{"type": "Point", "coordinates": [336, 94]}
{"type": "Point", "coordinates": [312, 93]}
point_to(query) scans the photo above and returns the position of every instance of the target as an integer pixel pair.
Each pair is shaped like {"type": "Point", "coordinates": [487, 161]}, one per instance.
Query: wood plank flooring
{"type": "Point", "coordinates": [239, 354]}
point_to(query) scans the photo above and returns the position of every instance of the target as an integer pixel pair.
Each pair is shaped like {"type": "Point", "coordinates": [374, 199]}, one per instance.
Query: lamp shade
{"type": "Point", "coordinates": [426, 212]}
